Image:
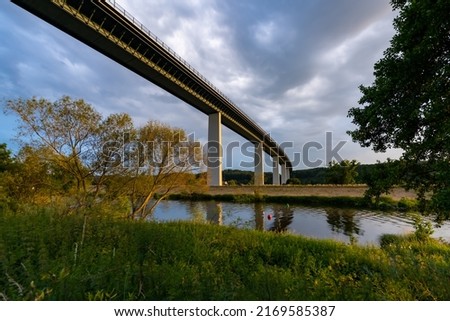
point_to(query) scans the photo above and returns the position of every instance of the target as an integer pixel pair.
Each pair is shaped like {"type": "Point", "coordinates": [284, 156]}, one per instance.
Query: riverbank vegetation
{"type": "Point", "coordinates": [71, 154]}
{"type": "Point", "coordinates": [383, 203]}
{"type": "Point", "coordinates": [45, 255]}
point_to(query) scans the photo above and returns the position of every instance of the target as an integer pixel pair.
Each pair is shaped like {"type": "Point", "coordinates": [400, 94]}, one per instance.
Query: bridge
{"type": "Point", "coordinates": [109, 29]}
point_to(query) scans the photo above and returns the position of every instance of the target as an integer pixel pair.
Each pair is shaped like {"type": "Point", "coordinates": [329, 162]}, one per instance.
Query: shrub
{"type": "Point", "coordinates": [293, 181]}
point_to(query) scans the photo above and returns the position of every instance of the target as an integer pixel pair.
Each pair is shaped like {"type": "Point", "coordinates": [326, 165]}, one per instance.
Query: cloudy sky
{"type": "Point", "coordinates": [294, 66]}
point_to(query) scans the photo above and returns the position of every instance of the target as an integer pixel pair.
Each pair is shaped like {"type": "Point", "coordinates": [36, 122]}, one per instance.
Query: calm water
{"type": "Point", "coordinates": [329, 223]}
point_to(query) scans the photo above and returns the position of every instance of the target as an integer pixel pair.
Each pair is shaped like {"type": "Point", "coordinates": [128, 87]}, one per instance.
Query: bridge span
{"type": "Point", "coordinates": [109, 29]}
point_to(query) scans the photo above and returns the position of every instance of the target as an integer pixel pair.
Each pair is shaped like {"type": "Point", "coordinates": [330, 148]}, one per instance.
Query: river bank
{"type": "Point", "coordinates": [397, 193]}
{"type": "Point", "coordinates": [90, 256]}
{"type": "Point", "coordinates": [314, 195]}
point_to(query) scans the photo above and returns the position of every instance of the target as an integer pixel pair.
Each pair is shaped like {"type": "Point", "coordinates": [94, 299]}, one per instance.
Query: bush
{"type": "Point", "coordinates": [407, 204]}
{"type": "Point", "coordinates": [424, 229]}
{"type": "Point", "coordinates": [293, 181]}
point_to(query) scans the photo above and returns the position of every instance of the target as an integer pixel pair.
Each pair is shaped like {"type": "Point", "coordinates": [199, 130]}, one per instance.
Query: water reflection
{"type": "Point", "coordinates": [283, 217]}
{"type": "Point", "coordinates": [259, 216]}
{"type": "Point", "coordinates": [195, 209]}
{"type": "Point", "coordinates": [347, 225]}
{"type": "Point", "coordinates": [214, 212]}
{"type": "Point", "coordinates": [344, 221]}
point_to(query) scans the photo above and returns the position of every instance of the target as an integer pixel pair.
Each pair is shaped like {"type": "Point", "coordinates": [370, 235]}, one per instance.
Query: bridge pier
{"type": "Point", "coordinates": [284, 173]}
{"type": "Point", "coordinates": [276, 170]}
{"type": "Point", "coordinates": [214, 150]}
{"type": "Point", "coordinates": [259, 164]}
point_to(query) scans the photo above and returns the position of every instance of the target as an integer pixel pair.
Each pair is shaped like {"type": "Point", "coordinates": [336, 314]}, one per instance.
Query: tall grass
{"type": "Point", "coordinates": [47, 256]}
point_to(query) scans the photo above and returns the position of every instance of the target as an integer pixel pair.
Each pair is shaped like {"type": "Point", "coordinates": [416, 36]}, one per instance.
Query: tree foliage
{"type": "Point", "coordinates": [239, 176]}
{"type": "Point", "coordinates": [6, 160]}
{"type": "Point", "coordinates": [70, 150]}
{"type": "Point", "coordinates": [157, 161]}
{"type": "Point", "coordinates": [381, 178]}
{"type": "Point", "coordinates": [408, 106]}
{"type": "Point", "coordinates": [293, 181]}
{"type": "Point", "coordinates": [344, 172]}
{"type": "Point", "coordinates": [68, 128]}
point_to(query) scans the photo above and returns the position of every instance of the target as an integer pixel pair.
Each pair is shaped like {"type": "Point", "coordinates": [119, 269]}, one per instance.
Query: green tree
{"type": "Point", "coordinates": [381, 178]}
{"type": "Point", "coordinates": [407, 106]}
{"type": "Point", "coordinates": [293, 181]}
{"type": "Point", "coordinates": [344, 172]}
{"type": "Point", "coordinates": [35, 178]}
{"type": "Point", "coordinates": [7, 165]}
{"type": "Point", "coordinates": [241, 177]}
{"type": "Point", "coordinates": [6, 161]}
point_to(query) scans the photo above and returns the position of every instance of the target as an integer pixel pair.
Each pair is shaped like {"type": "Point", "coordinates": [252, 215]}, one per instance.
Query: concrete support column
{"type": "Point", "coordinates": [259, 164]}
{"type": "Point", "coordinates": [214, 151]}
{"type": "Point", "coordinates": [276, 170]}
{"type": "Point", "coordinates": [284, 173]}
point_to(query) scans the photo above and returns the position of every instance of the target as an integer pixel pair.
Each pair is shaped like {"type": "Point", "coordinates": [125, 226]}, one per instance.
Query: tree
{"type": "Point", "coordinates": [408, 104]}
{"type": "Point", "coordinates": [31, 178]}
{"type": "Point", "coordinates": [6, 161]}
{"type": "Point", "coordinates": [34, 178]}
{"type": "Point", "coordinates": [381, 178]}
{"type": "Point", "coordinates": [158, 160]}
{"type": "Point", "coordinates": [105, 159]}
{"type": "Point", "coordinates": [7, 165]}
{"type": "Point", "coordinates": [69, 128]}
{"type": "Point", "coordinates": [293, 181]}
{"type": "Point", "coordinates": [344, 172]}
{"type": "Point", "coordinates": [114, 131]}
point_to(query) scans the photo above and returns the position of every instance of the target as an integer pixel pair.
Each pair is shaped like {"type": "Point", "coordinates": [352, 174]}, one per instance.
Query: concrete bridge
{"type": "Point", "coordinates": [109, 29]}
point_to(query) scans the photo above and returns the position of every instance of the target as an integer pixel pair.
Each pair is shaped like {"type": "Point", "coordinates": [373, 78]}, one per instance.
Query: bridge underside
{"type": "Point", "coordinates": [107, 28]}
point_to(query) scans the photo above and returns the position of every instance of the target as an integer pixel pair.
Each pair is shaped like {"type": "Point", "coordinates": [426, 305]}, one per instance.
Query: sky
{"type": "Point", "coordinates": [293, 66]}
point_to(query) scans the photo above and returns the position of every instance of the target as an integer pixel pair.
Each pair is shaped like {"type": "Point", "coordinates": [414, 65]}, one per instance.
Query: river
{"type": "Point", "coordinates": [346, 225]}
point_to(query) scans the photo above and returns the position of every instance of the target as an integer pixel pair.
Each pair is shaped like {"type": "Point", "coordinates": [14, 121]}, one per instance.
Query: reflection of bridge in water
{"type": "Point", "coordinates": [109, 29]}
{"type": "Point", "coordinates": [347, 225]}
{"type": "Point", "coordinates": [279, 217]}
{"type": "Point", "coordinates": [279, 222]}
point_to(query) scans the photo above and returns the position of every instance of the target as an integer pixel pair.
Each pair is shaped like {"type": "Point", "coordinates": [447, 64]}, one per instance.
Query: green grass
{"type": "Point", "coordinates": [44, 255]}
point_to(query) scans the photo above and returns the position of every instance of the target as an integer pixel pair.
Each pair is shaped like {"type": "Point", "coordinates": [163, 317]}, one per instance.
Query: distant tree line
{"type": "Point", "coordinates": [346, 172]}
